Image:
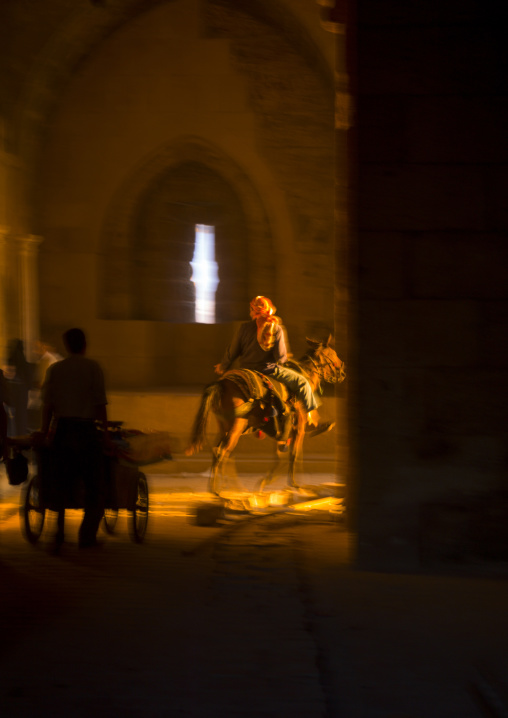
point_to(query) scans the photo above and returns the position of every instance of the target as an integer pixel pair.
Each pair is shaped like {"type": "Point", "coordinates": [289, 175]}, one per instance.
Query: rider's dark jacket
{"type": "Point", "coordinates": [246, 348]}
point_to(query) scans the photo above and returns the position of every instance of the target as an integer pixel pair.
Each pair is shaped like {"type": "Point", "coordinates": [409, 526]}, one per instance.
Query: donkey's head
{"type": "Point", "coordinates": [325, 361]}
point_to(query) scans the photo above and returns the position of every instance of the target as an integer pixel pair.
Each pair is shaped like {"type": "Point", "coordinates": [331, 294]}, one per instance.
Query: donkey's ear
{"type": "Point", "coordinates": [330, 342]}
{"type": "Point", "coordinates": [312, 343]}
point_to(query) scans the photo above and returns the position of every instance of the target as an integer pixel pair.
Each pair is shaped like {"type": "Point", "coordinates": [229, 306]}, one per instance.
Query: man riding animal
{"type": "Point", "coordinates": [260, 346]}
{"type": "Point", "coordinates": [244, 399]}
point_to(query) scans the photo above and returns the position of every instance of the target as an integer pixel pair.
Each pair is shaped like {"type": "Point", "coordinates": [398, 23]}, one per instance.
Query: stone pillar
{"type": "Point", "coordinates": [4, 235]}
{"type": "Point", "coordinates": [337, 16]}
{"type": "Point", "coordinates": [29, 290]}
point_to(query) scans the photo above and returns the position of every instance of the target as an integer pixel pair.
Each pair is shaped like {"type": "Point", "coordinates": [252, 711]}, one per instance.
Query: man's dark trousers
{"type": "Point", "coordinates": [77, 455]}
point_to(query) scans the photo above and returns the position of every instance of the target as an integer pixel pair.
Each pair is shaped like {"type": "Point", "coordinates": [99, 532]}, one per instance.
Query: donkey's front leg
{"type": "Point", "coordinates": [216, 470]}
{"type": "Point", "coordinates": [269, 476]}
{"type": "Point", "coordinates": [239, 426]}
{"type": "Point", "coordinates": [295, 448]}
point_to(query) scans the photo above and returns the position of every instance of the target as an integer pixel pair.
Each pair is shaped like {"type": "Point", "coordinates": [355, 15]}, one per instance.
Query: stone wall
{"type": "Point", "coordinates": [432, 110]}
{"type": "Point", "coordinates": [96, 98]}
{"type": "Point", "coordinates": [240, 92]}
{"type": "Point", "coordinates": [174, 410]}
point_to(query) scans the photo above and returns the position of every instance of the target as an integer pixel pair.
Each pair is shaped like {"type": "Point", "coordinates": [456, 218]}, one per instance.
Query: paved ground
{"type": "Point", "coordinates": [256, 618]}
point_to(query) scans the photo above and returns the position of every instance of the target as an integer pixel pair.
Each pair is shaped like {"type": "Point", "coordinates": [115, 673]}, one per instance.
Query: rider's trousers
{"type": "Point", "coordinates": [297, 384]}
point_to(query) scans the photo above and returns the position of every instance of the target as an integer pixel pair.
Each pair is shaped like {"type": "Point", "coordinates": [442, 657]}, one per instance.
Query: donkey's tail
{"type": "Point", "coordinates": [201, 419]}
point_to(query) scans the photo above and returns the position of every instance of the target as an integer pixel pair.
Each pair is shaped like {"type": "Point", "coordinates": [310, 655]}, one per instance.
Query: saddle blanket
{"type": "Point", "coordinates": [254, 385]}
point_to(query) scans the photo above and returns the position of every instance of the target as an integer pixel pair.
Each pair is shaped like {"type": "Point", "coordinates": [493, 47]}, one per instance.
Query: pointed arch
{"type": "Point", "coordinates": [185, 183]}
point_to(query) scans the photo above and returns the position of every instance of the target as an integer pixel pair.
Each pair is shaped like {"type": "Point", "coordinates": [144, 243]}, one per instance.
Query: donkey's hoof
{"type": "Point", "coordinates": [321, 428]}
{"type": "Point", "coordinates": [283, 446]}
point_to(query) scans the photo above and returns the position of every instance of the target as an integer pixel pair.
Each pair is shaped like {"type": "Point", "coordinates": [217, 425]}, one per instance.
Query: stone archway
{"type": "Point", "coordinates": [122, 243]}
{"type": "Point", "coordinates": [185, 196]}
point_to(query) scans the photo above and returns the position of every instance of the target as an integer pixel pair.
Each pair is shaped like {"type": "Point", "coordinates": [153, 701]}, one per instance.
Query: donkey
{"type": "Point", "coordinates": [244, 401]}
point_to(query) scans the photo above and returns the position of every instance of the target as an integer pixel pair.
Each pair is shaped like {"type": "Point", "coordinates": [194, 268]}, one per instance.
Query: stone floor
{"type": "Point", "coordinates": [257, 617]}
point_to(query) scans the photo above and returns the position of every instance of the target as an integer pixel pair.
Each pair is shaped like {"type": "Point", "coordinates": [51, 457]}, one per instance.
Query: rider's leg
{"type": "Point", "coordinates": [299, 385]}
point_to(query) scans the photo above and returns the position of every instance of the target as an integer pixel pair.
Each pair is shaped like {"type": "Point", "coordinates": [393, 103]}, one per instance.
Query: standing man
{"type": "Point", "coordinates": [73, 399]}
{"type": "Point", "coordinates": [20, 379]}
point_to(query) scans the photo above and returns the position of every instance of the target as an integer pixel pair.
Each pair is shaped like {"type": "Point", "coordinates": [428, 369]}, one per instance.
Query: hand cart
{"type": "Point", "coordinates": [126, 486]}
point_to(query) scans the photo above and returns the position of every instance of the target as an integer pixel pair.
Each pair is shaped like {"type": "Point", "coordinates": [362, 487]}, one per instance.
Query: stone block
{"type": "Point", "coordinates": [382, 265]}
{"type": "Point", "coordinates": [467, 401]}
{"type": "Point", "coordinates": [464, 529]}
{"type": "Point", "coordinates": [486, 459]}
{"type": "Point", "coordinates": [124, 370]}
{"type": "Point", "coordinates": [382, 125]}
{"type": "Point", "coordinates": [69, 292]}
{"type": "Point", "coordinates": [496, 190]}
{"type": "Point", "coordinates": [442, 333]}
{"type": "Point", "coordinates": [208, 513]}
{"type": "Point", "coordinates": [393, 404]}
{"type": "Point", "coordinates": [418, 333]}
{"type": "Point", "coordinates": [387, 538]}
{"type": "Point", "coordinates": [120, 339]}
{"type": "Point", "coordinates": [455, 128]}
{"type": "Point", "coordinates": [493, 346]}
{"type": "Point", "coordinates": [421, 197]}
{"type": "Point", "coordinates": [173, 410]}
{"type": "Point", "coordinates": [381, 401]}
{"type": "Point", "coordinates": [429, 60]}
{"type": "Point", "coordinates": [452, 266]}
{"type": "Point", "coordinates": [421, 12]}
{"type": "Point", "coordinates": [381, 333]}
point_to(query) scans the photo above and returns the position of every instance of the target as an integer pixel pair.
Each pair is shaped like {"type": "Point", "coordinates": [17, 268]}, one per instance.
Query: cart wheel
{"type": "Point", "coordinates": [109, 520]}
{"type": "Point", "coordinates": [139, 518]}
{"type": "Point", "coordinates": [32, 511]}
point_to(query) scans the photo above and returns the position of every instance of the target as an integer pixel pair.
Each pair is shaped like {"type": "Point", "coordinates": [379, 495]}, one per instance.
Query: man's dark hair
{"type": "Point", "coordinates": [75, 340]}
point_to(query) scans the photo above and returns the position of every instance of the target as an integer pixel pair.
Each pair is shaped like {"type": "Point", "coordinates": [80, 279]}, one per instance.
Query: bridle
{"type": "Point", "coordinates": [332, 376]}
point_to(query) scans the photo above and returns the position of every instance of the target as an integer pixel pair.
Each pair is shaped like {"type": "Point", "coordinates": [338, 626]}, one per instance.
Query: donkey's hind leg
{"type": "Point", "coordinates": [223, 450]}
{"type": "Point", "coordinates": [216, 470]}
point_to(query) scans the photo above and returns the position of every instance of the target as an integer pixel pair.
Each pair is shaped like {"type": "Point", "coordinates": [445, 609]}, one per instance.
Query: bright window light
{"type": "Point", "coordinates": [205, 274]}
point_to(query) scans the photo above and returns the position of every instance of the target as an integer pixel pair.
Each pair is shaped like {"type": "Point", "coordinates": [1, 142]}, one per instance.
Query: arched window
{"type": "Point", "coordinates": [149, 239]}
{"type": "Point", "coordinates": [205, 275]}
{"type": "Point", "coordinates": [190, 230]}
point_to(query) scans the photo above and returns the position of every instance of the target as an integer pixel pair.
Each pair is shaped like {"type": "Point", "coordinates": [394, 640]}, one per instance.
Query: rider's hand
{"type": "Point", "coordinates": [218, 369]}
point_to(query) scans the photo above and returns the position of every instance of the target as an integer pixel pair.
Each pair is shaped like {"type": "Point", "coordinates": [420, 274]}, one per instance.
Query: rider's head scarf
{"type": "Point", "coordinates": [263, 313]}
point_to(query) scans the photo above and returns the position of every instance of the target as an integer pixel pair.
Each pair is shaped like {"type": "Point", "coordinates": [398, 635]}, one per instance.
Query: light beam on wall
{"type": "Point", "coordinates": [205, 274]}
